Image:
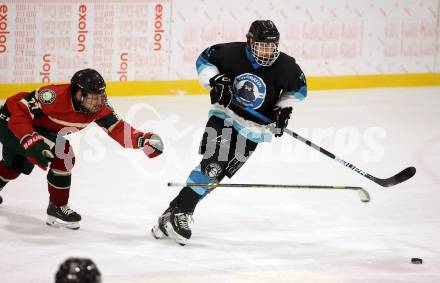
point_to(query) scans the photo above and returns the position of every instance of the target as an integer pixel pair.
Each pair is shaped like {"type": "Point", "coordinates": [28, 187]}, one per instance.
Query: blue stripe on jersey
{"type": "Point", "coordinates": [247, 133]}
{"type": "Point", "coordinates": [300, 94]}
{"type": "Point", "coordinates": [251, 58]}
{"type": "Point", "coordinates": [196, 176]}
{"type": "Point", "coordinates": [205, 70]}
{"type": "Point", "coordinates": [258, 115]}
{"type": "Point", "coordinates": [203, 63]}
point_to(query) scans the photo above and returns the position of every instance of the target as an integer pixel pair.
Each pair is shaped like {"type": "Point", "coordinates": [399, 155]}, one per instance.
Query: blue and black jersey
{"type": "Point", "coordinates": [261, 88]}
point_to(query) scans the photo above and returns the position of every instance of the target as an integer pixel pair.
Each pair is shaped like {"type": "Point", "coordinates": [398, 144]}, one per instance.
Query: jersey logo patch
{"type": "Point", "coordinates": [213, 170]}
{"type": "Point", "coordinates": [249, 90]}
{"type": "Point", "coordinates": [46, 96]}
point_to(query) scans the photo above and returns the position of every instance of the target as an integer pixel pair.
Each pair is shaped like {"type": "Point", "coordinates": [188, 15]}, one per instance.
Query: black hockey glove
{"type": "Point", "coordinates": [281, 117]}
{"type": "Point", "coordinates": [37, 150]}
{"type": "Point", "coordinates": [221, 91]}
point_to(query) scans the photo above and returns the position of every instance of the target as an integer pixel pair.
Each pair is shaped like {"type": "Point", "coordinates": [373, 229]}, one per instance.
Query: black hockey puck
{"type": "Point", "coordinates": [416, 260]}
{"type": "Point", "coordinates": [1, 199]}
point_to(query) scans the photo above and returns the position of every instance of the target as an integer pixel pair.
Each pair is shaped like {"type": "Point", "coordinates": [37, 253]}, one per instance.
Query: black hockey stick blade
{"type": "Point", "coordinates": [396, 179]}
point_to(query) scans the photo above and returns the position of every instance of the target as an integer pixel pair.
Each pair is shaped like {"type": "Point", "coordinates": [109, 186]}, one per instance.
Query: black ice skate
{"type": "Point", "coordinates": [178, 227]}
{"type": "Point", "coordinates": [159, 231]}
{"type": "Point", "coordinates": [62, 216]}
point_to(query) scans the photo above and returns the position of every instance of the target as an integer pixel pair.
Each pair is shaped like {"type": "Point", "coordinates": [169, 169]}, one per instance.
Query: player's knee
{"type": "Point", "coordinates": [212, 169]}
{"type": "Point", "coordinates": [64, 157]}
{"type": "Point", "coordinates": [61, 166]}
{"type": "Point", "coordinates": [59, 179]}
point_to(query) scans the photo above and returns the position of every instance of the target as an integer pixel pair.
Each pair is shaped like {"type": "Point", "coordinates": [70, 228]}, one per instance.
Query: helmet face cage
{"type": "Point", "coordinates": [263, 39]}
{"type": "Point", "coordinates": [92, 103]}
{"type": "Point", "coordinates": [265, 53]}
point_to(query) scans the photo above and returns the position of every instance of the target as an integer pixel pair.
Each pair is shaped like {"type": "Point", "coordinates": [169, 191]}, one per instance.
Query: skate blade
{"type": "Point", "coordinates": [55, 222]}
{"type": "Point", "coordinates": [157, 233]}
{"type": "Point", "coordinates": [176, 237]}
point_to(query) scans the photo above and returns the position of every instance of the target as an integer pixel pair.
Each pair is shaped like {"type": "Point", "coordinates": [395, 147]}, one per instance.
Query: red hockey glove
{"type": "Point", "coordinates": [281, 117]}
{"type": "Point", "coordinates": [221, 91]}
{"type": "Point", "coordinates": [36, 150]}
{"type": "Point", "coordinates": [151, 144]}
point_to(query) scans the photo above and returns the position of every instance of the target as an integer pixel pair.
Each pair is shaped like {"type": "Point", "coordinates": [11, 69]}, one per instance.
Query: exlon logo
{"type": "Point", "coordinates": [82, 28]}
{"type": "Point", "coordinates": [45, 69]}
{"type": "Point", "coordinates": [158, 27]}
{"type": "Point", "coordinates": [3, 28]}
{"type": "Point", "coordinates": [123, 67]}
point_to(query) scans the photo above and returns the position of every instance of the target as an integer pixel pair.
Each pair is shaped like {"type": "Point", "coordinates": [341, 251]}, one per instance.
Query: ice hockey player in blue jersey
{"type": "Point", "coordinates": [242, 76]}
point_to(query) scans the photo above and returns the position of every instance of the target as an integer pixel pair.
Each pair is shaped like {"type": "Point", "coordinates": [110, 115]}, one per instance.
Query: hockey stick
{"type": "Point", "coordinates": [363, 194]}
{"type": "Point", "coordinates": [400, 177]}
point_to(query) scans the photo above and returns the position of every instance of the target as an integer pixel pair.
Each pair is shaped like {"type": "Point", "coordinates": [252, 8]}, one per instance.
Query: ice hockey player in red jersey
{"type": "Point", "coordinates": [32, 126]}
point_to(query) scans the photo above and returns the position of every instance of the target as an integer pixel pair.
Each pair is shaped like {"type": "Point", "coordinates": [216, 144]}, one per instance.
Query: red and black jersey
{"type": "Point", "coordinates": [52, 108]}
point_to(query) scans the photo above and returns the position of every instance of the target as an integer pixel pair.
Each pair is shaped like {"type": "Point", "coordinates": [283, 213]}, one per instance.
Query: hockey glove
{"type": "Point", "coordinates": [36, 150]}
{"type": "Point", "coordinates": [221, 91]}
{"type": "Point", "coordinates": [281, 117]}
{"type": "Point", "coordinates": [151, 144]}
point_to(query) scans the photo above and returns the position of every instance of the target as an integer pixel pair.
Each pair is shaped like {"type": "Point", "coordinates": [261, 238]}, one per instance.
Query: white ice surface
{"type": "Point", "coordinates": [246, 235]}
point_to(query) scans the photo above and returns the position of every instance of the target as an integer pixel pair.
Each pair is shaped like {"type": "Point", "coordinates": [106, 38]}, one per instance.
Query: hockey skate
{"type": "Point", "coordinates": [62, 216]}
{"type": "Point", "coordinates": [159, 231]}
{"type": "Point", "coordinates": [178, 226]}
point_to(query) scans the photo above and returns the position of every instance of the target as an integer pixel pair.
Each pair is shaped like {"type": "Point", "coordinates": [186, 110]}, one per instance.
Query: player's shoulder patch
{"type": "Point", "coordinates": [46, 96]}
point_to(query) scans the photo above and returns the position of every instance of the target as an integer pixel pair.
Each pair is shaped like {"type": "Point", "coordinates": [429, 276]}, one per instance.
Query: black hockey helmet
{"type": "Point", "coordinates": [92, 87]}
{"type": "Point", "coordinates": [263, 38]}
{"type": "Point", "coordinates": [78, 270]}
{"type": "Point", "coordinates": [88, 81]}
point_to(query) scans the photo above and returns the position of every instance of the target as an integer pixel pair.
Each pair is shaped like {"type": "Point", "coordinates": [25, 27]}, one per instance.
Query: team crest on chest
{"type": "Point", "coordinates": [46, 96]}
{"type": "Point", "coordinates": [249, 90]}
